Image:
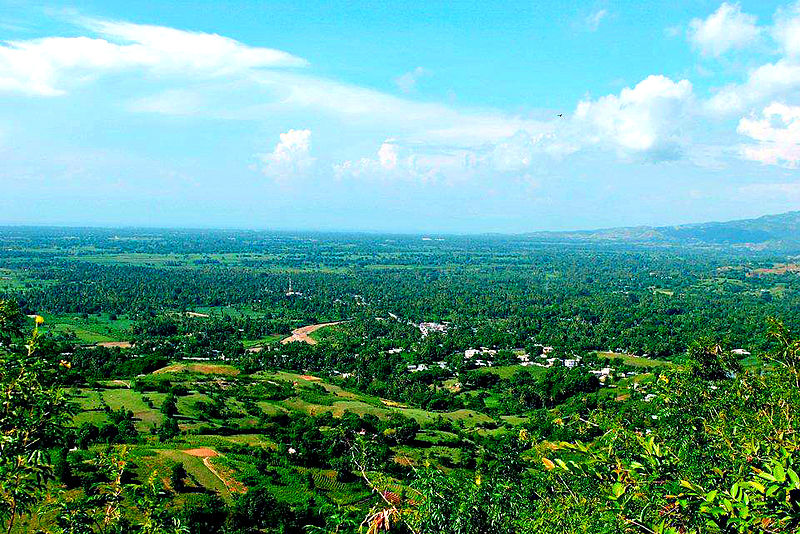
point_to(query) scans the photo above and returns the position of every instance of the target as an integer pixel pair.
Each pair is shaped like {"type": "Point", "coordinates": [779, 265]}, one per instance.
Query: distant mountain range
{"type": "Point", "coordinates": [767, 232]}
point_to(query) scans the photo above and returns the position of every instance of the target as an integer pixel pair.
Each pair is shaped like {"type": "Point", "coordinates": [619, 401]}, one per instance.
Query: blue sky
{"type": "Point", "coordinates": [417, 116]}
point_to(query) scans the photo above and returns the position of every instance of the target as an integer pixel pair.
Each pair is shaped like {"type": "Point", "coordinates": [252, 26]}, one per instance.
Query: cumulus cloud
{"type": "Point", "coordinates": [291, 157]}
{"type": "Point", "coordinates": [726, 29]}
{"type": "Point", "coordinates": [646, 120]}
{"type": "Point", "coordinates": [775, 80]}
{"type": "Point", "coordinates": [763, 83]}
{"type": "Point", "coordinates": [43, 67]}
{"type": "Point", "coordinates": [777, 136]}
{"type": "Point", "coordinates": [407, 83]}
{"type": "Point", "coordinates": [208, 75]}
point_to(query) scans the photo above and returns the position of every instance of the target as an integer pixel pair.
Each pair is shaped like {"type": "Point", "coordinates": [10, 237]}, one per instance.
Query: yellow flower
{"type": "Point", "coordinates": [548, 464]}
{"type": "Point", "coordinates": [39, 319]}
{"type": "Point", "coordinates": [478, 480]}
{"type": "Point", "coordinates": [65, 363]}
{"type": "Point", "coordinates": [523, 435]}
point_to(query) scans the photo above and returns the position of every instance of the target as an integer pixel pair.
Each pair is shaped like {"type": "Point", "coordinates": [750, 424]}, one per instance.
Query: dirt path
{"type": "Point", "coordinates": [233, 486]}
{"type": "Point", "coordinates": [302, 334]}
{"type": "Point", "coordinates": [120, 344]}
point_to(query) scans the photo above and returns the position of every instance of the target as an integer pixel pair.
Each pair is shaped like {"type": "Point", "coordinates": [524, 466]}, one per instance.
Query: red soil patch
{"type": "Point", "coordinates": [309, 377]}
{"type": "Point", "coordinates": [233, 485]}
{"type": "Point", "coordinates": [202, 452]}
{"type": "Point", "coordinates": [204, 368]}
{"type": "Point", "coordinates": [777, 269]}
{"type": "Point", "coordinates": [301, 334]}
{"type": "Point", "coordinates": [120, 344]}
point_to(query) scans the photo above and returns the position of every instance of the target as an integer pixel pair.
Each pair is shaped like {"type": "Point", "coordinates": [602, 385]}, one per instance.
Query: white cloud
{"type": "Point", "coordinates": [171, 102]}
{"type": "Point", "coordinates": [407, 83]}
{"type": "Point", "coordinates": [776, 80]}
{"type": "Point", "coordinates": [44, 67]}
{"type": "Point", "coordinates": [387, 155]}
{"type": "Point", "coordinates": [396, 161]}
{"type": "Point", "coordinates": [593, 21]}
{"type": "Point", "coordinates": [172, 49]}
{"type": "Point", "coordinates": [291, 157]}
{"type": "Point", "coordinates": [787, 30]}
{"type": "Point", "coordinates": [768, 81]}
{"type": "Point", "coordinates": [777, 134]}
{"type": "Point", "coordinates": [725, 29]}
{"type": "Point", "coordinates": [646, 120]}
{"type": "Point", "coordinates": [200, 74]}
{"type": "Point", "coordinates": [403, 160]}
{"type": "Point", "coordinates": [515, 153]}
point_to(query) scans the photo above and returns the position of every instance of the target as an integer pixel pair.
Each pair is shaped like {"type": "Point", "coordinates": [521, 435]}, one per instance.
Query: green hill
{"type": "Point", "coordinates": [770, 231]}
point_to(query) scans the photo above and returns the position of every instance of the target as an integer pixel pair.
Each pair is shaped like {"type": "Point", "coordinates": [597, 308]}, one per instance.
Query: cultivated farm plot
{"type": "Point", "coordinates": [341, 493]}
{"type": "Point", "coordinates": [190, 441]}
{"type": "Point", "coordinates": [89, 405]}
{"type": "Point", "coordinates": [341, 401]}
{"type": "Point", "coordinates": [129, 399]}
{"type": "Point", "coordinates": [198, 368]}
{"type": "Point", "coordinates": [198, 471]}
{"type": "Point", "coordinates": [92, 329]}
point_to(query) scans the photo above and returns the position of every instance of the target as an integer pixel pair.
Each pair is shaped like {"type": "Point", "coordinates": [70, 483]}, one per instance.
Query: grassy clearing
{"type": "Point", "coordinates": [187, 404]}
{"type": "Point", "coordinates": [92, 329]}
{"type": "Point", "coordinates": [342, 401]}
{"type": "Point", "coordinates": [248, 343]}
{"type": "Point", "coordinates": [129, 399]}
{"type": "Point", "coordinates": [635, 361]}
{"type": "Point", "coordinates": [507, 371]}
{"type": "Point", "coordinates": [13, 280]}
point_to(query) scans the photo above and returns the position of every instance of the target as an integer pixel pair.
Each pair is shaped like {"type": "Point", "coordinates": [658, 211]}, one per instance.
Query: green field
{"type": "Point", "coordinates": [635, 361]}
{"type": "Point", "coordinates": [100, 328]}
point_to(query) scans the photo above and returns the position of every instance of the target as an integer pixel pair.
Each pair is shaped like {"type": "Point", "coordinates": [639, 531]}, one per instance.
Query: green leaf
{"type": "Point", "coordinates": [688, 485]}
{"type": "Point", "coordinates": [779, 473]}
{"type": "Point", "coordinates": [766, 476]}
{"type": "Point", "coordinates": [727, 505]}
{"type": "Point", "coordinates": [793, 477]}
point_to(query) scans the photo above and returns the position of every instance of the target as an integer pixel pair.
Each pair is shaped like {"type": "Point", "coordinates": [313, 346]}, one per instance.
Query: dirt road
{"type": "Point", "coordinates": [302, 334]}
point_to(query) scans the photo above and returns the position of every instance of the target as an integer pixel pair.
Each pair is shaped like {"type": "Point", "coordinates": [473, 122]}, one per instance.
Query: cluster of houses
{"type": "Point", "coordinates": [426, 367]}
{"type": "Point", "coordinates": [429, 328]}
{"type": "Point", "coordinates": [426, 328]}
{"type": "Point", "coordinates": [483, 357]}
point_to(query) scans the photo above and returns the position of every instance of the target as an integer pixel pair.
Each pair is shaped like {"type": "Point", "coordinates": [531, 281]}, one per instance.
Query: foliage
{"type": "Point", "coordinates": [32, 417]}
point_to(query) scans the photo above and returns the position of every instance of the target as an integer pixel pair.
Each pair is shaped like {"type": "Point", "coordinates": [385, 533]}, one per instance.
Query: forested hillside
{"type": "Point", "coordinates": [240, 382]}
{"type": "Point", "coordinates": [778, 232]}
